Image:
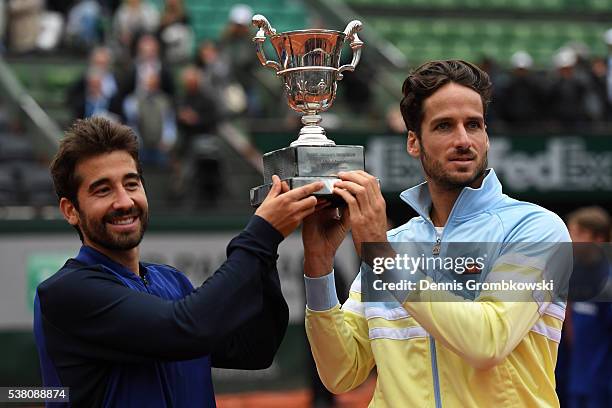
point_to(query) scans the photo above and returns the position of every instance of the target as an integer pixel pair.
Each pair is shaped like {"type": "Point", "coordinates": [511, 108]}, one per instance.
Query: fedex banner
{"type": "Point", "coordinates": [535, 165]}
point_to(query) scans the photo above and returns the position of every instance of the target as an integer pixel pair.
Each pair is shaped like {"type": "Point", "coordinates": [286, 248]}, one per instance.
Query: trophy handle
{"type": "Point", "coordinates": [264, 26]}
{"type": "Point", "coordinates": [351, 35]}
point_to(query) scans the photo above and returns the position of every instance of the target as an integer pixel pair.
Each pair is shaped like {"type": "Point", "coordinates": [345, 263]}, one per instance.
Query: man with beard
{"type": "Point", "coordinates": [121, 332]}
{"type": "Point", "coordinates": [479, 351]}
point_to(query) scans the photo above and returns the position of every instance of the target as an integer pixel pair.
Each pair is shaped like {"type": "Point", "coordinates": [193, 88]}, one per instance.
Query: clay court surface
{"type": "Point", "coordinates": [358, 398]}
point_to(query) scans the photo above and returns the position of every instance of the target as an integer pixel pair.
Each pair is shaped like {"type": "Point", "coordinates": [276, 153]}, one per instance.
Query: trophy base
{"type": "Point", "coordinates": [259, 193]}
{"type": "Point", "coordinates": [300, 165]}
{"type": "Point", "coordinates": [312, 161]}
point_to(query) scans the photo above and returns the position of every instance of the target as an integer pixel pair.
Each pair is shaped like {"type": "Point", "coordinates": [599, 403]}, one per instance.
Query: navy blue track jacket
{"type": "Point", "coordinates": [122, 340]}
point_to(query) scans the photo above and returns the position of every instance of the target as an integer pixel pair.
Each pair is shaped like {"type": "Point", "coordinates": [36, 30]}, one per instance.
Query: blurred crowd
{"type": "Point", "coordinates": [24, 176]}
{"type": "Point", "coordinates": [136, 47]}
{"type": "Point", "coordinates": [574, 95]}
{"type": "Point", "coordinates": [145, 70]}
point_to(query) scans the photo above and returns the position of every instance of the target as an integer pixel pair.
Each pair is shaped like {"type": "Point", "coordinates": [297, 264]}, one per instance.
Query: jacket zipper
{"type": "Point", "coordinates": [145, 282]}
{"type": "Point", "coordinates": [432, 342]}
{"type": "Point", "coordinates": [434, 371]}
{"type": "Point", "coordinates": [436, 248]}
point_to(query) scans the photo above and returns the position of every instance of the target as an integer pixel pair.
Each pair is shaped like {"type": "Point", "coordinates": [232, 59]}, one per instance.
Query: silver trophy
{"type": "Point", "coordinates": [309, 65]}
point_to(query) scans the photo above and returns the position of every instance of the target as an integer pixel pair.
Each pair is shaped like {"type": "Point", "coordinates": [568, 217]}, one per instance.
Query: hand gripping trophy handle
{"type": "Point", "coordinates": [351, 35]}
{"type": "Point", "coordinates": [264, 28]}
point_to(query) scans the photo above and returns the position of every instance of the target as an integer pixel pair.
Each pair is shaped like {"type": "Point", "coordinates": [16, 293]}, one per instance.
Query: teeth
{"type": "Point", "coordinates": [124, 222]}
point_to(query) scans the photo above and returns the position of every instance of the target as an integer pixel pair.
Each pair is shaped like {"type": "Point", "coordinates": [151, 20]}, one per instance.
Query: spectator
{"type": "Point", "coordinates": [96, 92]}
{"type": "Point", "coordinates": [131, 19]}
{"type": "Point", "coordinates": [595, 107]}
{"type": "Point", "coordinates": [147, 61]}
{"type": "Point", "coordinates": [84, 25]}
{"type": "Point", "coordinates": [50, 30]}
{"type": "Point", "coordinates": [490, 65]}
{"type": "Point", "coordinates": [520, 98]}
{"type": "Point", "coordinates": [149, 111]}
{"type": "Point", "coordinates": [599, 89]}
{"type": "Point", "coordinates": [591, 322]}
{"type": "Point", "coordinates": [198, 116]}
{"type": "Point", "coordinates": [237, 46]}
{"type": "Point", "coordinates": [174, 12]}
{"type": "Point", "coordinates": [566, 93]}
{"type": "Point", "coordinates": [96, 103]}
{"type": "Point", "coordinates": [174, 32]}
{"type": "Point", "coordinates": [217, 75]}
{"type": "Point", "coordinates": [214, 66]}
{"type": "Point", "coordinates": [23, 19]}
{"type": "Point", "coordinates": [198, 111]}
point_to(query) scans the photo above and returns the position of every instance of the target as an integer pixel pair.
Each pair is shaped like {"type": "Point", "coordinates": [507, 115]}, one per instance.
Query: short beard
{"type": "Point", "coordinates": [98, 234]}
{"type": "Point", "coordinates": [435, 171]}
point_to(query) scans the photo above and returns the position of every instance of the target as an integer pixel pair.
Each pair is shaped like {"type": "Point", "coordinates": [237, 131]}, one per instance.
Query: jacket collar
{"type": "Point", "coordinates": [90, 256]}
{"type": "Point", "coordinates": [471, 201]}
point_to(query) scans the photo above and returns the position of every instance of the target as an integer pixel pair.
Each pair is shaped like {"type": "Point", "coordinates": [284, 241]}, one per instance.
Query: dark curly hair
{"type": "Point", "coordinates": [425, 80]}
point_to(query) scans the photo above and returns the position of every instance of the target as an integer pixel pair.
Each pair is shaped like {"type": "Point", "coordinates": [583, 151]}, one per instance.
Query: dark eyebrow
{"type": "Point", "coordinates": [98, 183]}
{"type": "Point", "coordinates": [442, 119]}
{"type": "Point", "coordinates": [131, 176]}
{"type": "Point", "coordinates": [476, 118]}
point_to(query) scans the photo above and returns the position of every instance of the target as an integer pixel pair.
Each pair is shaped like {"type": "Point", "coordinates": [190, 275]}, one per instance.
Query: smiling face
{"type": "Point", "coordinates": [112, 211]}
{"type": "Point", "coordinates": [453, 143]}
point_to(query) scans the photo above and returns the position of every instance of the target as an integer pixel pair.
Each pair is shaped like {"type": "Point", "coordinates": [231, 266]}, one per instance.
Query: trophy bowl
{"type": "Point", "coordinates": [309, 64]}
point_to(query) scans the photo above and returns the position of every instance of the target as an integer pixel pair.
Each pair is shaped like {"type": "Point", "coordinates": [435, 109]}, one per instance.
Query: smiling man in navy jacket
{"type": "Point", "coordinates": [122, 332]}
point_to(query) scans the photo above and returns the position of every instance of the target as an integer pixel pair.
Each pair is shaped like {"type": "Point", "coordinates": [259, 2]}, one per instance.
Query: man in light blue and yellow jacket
{"type": "Point", "coordinates": [489, 351]}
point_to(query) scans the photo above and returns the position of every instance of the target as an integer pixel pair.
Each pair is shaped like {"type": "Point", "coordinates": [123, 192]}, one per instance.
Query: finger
{"type": "Point", "coordinates": [284, 187]}
{"type": "Point", "coordinates": [350, 200]}
{"type": "Point", "coordinates": [305, 191]}
{"type": "Point", "coordinates": [306, 214]}
{"type": "Point", "coordinates": [352, 187]}
{"type": "Point", "coordinates": [364, 179]}
{"type": "Point", "coordinates": [363, 173]}
{"type": "Point", "coordinates": [275, 190]}
{"type": "Point", "coordinates": [372, 182]}
{"type": "Point", "coordinates": [374, 187]}
{"type": "Point", "coordinates": [359, 191]}
{"type": "Point", "coordinates": [358, 176]}
{"type": "Point", "coordinates": [304, 203]}
{"type": "Point", "coordinates": [354, 176]}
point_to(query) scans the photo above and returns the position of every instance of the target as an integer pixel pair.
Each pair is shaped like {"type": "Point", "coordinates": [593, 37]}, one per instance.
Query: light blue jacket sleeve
{"type": "Point", "coordinates": [321, 292]}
